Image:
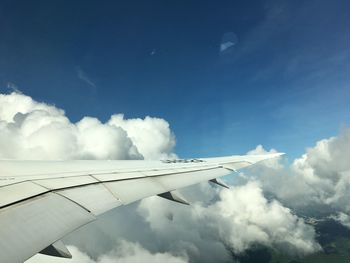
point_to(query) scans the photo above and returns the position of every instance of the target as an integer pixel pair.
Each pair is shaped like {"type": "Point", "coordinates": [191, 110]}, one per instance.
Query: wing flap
{"type": "Point", "coordinates": [135, 189]}
{"type": "Point", "coordinates": [30, 226]}
{"type": "Point", "coordinates": [106, 177]}
{"type": "Point", "coordinates": [66, 182]}
{"type": "Point", "coordinates": [16, 192]}
{"type": "Point", "coordinates": [95, 198]}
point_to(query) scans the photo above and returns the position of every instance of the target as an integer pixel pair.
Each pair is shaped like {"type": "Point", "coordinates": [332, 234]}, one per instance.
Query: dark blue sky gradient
{"type": "Point", "coordinates": [285, 84]}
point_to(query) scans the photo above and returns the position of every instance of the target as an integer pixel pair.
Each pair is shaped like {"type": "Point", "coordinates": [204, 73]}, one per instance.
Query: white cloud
{"type": "Point", "coordinates": [315, 184]}
{"type": "Point", "coordinates": [152, 136]}
{"type": "Point", "coordinates": [321, 176]}
{"type": "Point", "coordinates": [342, 218]}
{"type": "Point", "coordinates": [101, 141]}
{"type": "Point", "coordinates": [325, 168]}
{"type": "Point", "coordinates": [34, 130]}
{"type": "Point", "coordinates": [241, 218]}
{"type": "Point", "coordinates": [249, 218]}
{"type": "Point", "coordinates": [11, 104]}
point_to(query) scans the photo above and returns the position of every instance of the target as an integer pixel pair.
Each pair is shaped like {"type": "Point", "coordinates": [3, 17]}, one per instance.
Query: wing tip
{"type": "Point", "coordinates": [277, 154]}
{"type": "Point", "coordinates": [267, 156]}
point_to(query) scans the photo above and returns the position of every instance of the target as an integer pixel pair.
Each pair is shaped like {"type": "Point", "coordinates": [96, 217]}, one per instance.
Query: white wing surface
{"type": "Point", "coordinates": [42, 201]}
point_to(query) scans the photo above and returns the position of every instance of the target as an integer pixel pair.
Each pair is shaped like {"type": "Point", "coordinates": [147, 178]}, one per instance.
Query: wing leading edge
{"type": "Point", "coordinates": [42, 201]}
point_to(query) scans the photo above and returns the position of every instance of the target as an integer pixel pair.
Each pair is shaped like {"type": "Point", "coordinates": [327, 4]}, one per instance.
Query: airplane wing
{"type": "Point", "coordinates": [42, 201]}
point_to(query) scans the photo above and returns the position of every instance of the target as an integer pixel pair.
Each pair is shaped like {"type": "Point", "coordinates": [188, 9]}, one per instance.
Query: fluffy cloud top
{"type": "Point", "coordinates": [248, 218]}
{"type": "Point", "coordinates": [326, 170]}
{"type": "Point", "coordinates": [241, 218]}
{"type": "Point", "coordinates": [33, 130]}
{"type": "Point", "coordinates": [318, 180]}
{"type": "Point", "coordinates": [152, 136]}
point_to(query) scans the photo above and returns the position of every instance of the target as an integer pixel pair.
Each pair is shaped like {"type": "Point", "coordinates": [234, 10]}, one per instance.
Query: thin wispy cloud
{"type": "Point", "coordinates": [83, 76]}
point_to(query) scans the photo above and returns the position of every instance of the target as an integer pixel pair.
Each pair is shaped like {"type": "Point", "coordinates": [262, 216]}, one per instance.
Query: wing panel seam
{"type": "Point", "coordinates": [108, 181]}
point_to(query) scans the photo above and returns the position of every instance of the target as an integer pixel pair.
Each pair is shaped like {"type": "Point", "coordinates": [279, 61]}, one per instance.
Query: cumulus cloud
{"type": "Point", "coordinates": [152, 136]}
{"type": "Point", "coordinates": [241, 218]}
{"type": "Point", "coordinates": [125, 252]}
{"type": "Point", "coordinates": [317, 182]}
{"type": "Point", "coordinates": [248, 218]}
{"type": "Point", "coordinates": [34, 130]}
{"type": "Point", "coordinates": [325, 168]}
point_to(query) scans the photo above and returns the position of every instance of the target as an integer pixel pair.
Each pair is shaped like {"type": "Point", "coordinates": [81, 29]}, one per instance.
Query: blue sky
{"type": "Point", "coordinates": [283, 84]}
